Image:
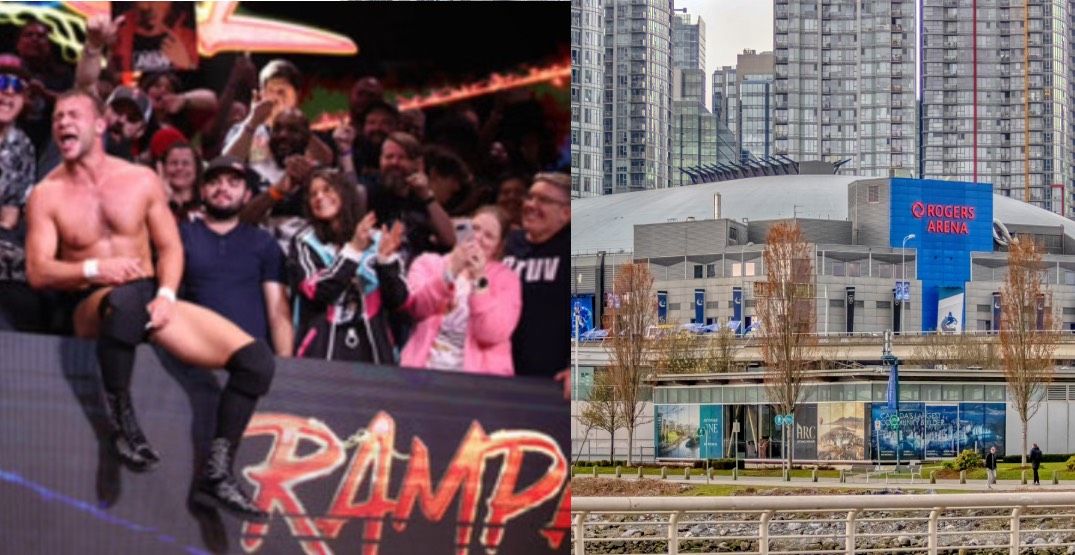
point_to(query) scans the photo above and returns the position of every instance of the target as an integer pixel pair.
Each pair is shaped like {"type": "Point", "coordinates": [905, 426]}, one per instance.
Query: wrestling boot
{"type": "Point", "coordinates": [217, 486]}
{"type": "Point", "coordinates": [128, 440]}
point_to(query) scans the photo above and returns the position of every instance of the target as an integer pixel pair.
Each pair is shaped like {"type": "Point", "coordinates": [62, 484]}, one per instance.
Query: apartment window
{"type": "Point", "coordinates": [698, 268]}
{"type": "Point", "coordinates": [710, 270]}
{"type": "Point", "coordinates": [873, 194]}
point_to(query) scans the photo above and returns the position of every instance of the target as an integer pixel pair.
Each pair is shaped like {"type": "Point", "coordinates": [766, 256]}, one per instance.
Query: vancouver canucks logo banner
{"type": "Point", "coordinates": [737, 304]}
{"type": "Point", "coordinates": [662, 306]}
{"type": "Point", "coordinates": [582, 312]}
{"type": "Point", "coordinates": [996, 310]}
{"type": "Point", "coordinates": [950, 310]}
{"type": "Point", "coordinates": [699, 306]}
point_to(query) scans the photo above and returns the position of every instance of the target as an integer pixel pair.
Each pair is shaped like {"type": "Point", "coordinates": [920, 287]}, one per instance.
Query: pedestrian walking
{"type": "Point", "coordinates": [1035, 462]}
{"type": "Point", "coordinates": [991, 466]}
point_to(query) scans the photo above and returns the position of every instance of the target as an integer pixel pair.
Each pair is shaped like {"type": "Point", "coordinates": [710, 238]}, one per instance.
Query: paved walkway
{"type": "Point", "coordinates": [855, 481]}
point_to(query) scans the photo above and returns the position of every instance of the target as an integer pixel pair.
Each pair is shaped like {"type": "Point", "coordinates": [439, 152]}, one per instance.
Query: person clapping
{"type": "Point", "coordinates": [466, 303]}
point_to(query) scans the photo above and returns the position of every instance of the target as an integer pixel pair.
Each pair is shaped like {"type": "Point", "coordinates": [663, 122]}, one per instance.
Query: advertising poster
{"type": "Point", "coordinates": [841, 431]}
{"type": "Point", "coordinates": [993, 429]}
{"type": "Point", "coordinates": [805, 432]}
{"type": "Point", "coordinates": [155, 36]}
{"type": "Point", "coordinates": [980, 425]}
{"type": "Point", "coordinates": [940, 423]}
{"type": "Point", "coordinates": [950, 310]}
{"type": "Point", "coordinates": [677, 431]}
{"type": "Point", "coordinates": [910, 434]}
{"type": "Point", "coordinates": [712, 424]}
{"type": "Point", "coordinates": [662, 306]}
{"type": "Point", "coordinates": [699, 306]}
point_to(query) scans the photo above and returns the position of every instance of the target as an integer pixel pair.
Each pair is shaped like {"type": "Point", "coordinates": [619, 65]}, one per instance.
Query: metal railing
{"type": "Point", "coordinates": [920, 523]}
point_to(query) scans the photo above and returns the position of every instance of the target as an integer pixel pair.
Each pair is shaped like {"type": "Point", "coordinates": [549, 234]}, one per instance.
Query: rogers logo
{"type": "Point", "coordinates": [918, 209]}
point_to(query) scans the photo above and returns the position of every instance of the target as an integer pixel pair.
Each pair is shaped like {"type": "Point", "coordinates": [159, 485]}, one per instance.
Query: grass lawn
{"type": "Point", "coordinates": [1012, 471]}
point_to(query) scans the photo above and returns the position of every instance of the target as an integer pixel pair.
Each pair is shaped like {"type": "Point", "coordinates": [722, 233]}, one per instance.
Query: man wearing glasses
{"type": "Point", "coordinates": [539, 254]}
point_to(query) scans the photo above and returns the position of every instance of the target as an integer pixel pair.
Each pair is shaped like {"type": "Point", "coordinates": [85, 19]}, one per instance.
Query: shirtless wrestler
{"type": "Point", "coordinates": [92, 221]}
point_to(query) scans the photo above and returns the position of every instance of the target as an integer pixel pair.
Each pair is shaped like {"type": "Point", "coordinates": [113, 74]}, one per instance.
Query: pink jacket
{"type": "Point", "coordinates": [493, 316]}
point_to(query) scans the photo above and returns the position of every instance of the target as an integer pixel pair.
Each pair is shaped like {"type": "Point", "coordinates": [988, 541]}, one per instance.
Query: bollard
{"type": "Point", "coordinates": [1056, 477]}
{"type": "Point", "coordinates": [664, 472]}
{"type": "Point", "coordinates": [1024, 477]}
{"type": "Point", "coordinates": [963, 476]}
{"type": "Point", "coordinates": [639, 472]}
{"type": "Point", "coordinates": [933, 476]}
{"type": "Point", "coordinates": [687, 473]}
{"type": "Point", "coordinates": [735, 473]}
{"type": "Point", "coordinates": [618, 471]}
{"type": "Point", "coordinates": [594, 470]}
{"type": "Point", "coordinates": [843, 477]}
{"type": "Point", "coordinates": [787, 475]}
{"type": "Point", "coordinates": [709, 473]}
{"type": "Point", "coordinates": [813, 476]}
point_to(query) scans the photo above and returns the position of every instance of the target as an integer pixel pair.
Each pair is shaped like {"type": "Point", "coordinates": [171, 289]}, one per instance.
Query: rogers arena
{"type": "Point", "coordinates": [704, 244]}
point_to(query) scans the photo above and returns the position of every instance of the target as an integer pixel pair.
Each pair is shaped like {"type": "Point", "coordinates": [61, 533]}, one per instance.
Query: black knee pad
{"type": "Point", "coordinates": [124, 315]}
{"type": "Point", "coordinates": [252, 369]}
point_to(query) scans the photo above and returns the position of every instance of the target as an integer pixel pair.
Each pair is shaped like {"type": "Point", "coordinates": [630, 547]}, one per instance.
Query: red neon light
{"type": "Point", "coordinates": [219, 30]}
{"type": "Point", "coordinates": [557, 74]}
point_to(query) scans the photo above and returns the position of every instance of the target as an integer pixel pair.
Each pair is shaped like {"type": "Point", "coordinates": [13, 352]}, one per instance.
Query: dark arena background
{"type": "Point", "coordinates": [350, 458]}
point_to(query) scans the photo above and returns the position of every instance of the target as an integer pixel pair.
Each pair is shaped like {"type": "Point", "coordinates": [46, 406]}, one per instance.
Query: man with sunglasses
{"type": "Point", "coordinates": [16, 150]}
{"type": "Point", "coordinates": [539, 254]}
{"type": "Point", "coordinates": [20, 307]}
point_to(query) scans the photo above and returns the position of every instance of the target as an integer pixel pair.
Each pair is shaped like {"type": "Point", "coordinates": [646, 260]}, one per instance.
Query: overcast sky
{"type": "Point", "coordinates": [731, 26]}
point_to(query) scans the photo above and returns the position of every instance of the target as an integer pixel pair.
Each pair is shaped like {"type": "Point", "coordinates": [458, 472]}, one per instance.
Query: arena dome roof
{"type": "Point", "coordinates": [607, 222]}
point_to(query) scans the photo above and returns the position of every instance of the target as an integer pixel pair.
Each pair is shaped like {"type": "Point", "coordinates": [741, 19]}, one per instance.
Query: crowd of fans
{"type": "Point", "coordinates": [432, 241]}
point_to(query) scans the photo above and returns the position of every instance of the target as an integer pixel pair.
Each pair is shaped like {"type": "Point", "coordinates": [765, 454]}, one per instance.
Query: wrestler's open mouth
{"type": "Point", "coordinates": [68, 139]}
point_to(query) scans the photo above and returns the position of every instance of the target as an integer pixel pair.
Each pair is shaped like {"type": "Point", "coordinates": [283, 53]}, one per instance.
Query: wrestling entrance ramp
{"type": "Point", "coordinates": [348, 458]}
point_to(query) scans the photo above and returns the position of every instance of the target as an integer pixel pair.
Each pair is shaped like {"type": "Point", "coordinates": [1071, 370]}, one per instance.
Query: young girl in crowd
{"type": "Point", "coordinates": [339, 288]}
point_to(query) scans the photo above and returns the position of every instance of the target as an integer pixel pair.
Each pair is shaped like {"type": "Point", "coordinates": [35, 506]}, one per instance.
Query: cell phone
{"type": "Point", "coordinates": [463, 231]}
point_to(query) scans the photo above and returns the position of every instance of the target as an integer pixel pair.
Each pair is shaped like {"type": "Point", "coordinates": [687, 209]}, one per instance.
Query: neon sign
{"type": "Point", "coordinates": [558, 75]}
{"type": "Point", "coordinates": [954, 216]}
{"type": "Point", "coordinates": [219, 29]}
{"type": "Point", "coordinates": [363, 497]}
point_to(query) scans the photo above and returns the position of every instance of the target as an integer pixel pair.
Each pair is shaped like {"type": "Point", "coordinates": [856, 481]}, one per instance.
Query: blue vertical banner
{"type": "Point", "coordinates": [699, 306]}
{"type": "Point", "coordinates": [996, 311]}
{"type": "Point", "coordinates": [894, 387]}
{"type": "Point", "coordinates": [711, 422]}
{"type": "Point", "coordinates": [737, 308]}
{"type": "Point", "coordinates": [662, 306]}
{"type": "Point", "coordinates": [582, 308]}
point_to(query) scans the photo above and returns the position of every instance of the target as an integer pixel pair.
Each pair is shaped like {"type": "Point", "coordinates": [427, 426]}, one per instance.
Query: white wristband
{"type": "Point", "coordinates": [90, 269]}
{"type": "Point", "coordinates": [167, 293]}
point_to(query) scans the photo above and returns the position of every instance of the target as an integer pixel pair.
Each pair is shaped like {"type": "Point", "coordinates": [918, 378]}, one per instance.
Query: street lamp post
{"type": "Point", "coordinates": [903, 278]}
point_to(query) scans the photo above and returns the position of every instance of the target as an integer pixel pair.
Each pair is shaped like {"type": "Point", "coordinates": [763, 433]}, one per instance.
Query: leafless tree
{"type": "Point", "coordinates": [602, 411]}
{"type": "Point", "coordinates": [1028, 340]}
{"type": "Point", "coordinates": [958, 351]}
{"type": "Point", "coordinates": [633, 311]}
{"type": "Point", "coordinates": [682, 352]}
{"type": "Point", "coordinates": [785, 305]}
